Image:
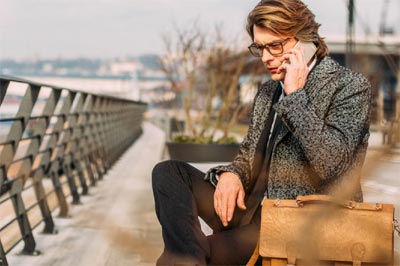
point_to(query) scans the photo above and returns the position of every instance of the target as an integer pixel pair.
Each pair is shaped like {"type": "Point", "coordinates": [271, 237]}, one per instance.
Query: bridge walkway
{"type": "Point", "coordinates": [116, 223]}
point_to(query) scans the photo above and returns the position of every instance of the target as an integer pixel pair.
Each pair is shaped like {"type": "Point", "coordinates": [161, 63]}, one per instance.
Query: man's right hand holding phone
{"type": "Point", "coordinates": [295, 66]}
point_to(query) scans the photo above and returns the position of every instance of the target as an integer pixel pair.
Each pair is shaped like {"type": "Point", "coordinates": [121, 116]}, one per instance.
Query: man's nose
{"type": "Point", "coordinates": [266, 56]}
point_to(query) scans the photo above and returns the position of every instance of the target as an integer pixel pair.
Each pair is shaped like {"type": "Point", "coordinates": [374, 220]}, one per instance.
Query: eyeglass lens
{"type": "Point", "coordinates": [273, 48]}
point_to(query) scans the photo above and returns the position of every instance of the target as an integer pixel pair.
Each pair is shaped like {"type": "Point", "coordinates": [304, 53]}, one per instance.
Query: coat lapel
{"type": "Point", "coordinates": [266, 104]}
{"type": "Point", "coordinates": [320, 76]}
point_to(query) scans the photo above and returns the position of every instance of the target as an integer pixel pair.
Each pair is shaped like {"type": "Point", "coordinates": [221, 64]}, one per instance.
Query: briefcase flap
{"type": "Point", "coordinates": [327, 230]}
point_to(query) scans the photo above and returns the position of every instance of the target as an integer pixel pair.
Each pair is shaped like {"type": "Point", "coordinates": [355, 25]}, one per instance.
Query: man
{"type": "Point", "coordinates": [308, 135]}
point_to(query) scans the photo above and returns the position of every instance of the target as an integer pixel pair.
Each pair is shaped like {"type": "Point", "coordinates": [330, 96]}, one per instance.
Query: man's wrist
{"type": "Point", "coordinates": [214, 179]}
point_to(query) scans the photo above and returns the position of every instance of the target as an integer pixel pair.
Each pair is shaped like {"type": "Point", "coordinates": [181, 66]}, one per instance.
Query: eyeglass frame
{"type": "Point", "coordinates": [266, 47]}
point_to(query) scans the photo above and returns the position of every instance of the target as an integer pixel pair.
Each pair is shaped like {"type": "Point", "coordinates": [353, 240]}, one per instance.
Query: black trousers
{"type": "Point", "coordinates": [181, 195]}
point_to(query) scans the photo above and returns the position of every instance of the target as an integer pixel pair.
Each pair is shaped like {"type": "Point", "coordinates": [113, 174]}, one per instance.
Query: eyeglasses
{"type": "Point", "coordinates": [274, 48]}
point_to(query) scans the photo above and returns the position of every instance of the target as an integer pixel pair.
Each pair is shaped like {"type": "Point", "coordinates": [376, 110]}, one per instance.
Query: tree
{"type": "Point", "coordinates": [204, 70]}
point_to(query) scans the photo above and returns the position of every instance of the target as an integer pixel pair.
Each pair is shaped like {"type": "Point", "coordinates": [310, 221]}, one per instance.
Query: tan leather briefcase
{"type": "Point", "coordinates": [318, 230]}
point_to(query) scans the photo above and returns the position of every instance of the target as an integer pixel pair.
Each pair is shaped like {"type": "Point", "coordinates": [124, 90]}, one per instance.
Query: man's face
{"type": "Point", "coordinates": [276, 43]}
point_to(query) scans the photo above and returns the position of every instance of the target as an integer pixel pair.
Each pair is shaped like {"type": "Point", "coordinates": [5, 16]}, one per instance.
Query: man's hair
{"type": "Point", "coordinates": [289, 18]}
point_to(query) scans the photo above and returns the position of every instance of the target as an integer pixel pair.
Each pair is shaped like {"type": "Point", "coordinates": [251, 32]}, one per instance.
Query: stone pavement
{"type": "Point", "coordinates": [116, 223]}
{"type": "Point", "coordinates": [381, 182]}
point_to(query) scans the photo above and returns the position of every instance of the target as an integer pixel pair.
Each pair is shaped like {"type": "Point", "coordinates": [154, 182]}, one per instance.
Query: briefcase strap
{"type": "Point", "coordinates": [301, 200]}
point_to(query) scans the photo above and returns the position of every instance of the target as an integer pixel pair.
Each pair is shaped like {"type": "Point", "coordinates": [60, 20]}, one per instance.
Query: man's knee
{"type": "Point", "coordinates": [159, 168]}
{"type": "Point", "coordinates": [164, 170]}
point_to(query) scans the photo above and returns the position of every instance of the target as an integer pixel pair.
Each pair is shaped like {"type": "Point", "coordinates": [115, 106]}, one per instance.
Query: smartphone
{"type": "Point", "coordinates": [309, 49]}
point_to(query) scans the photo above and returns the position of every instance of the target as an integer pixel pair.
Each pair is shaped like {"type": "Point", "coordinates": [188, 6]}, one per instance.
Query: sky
{"type": "Point", "coordinates": [48, 29]}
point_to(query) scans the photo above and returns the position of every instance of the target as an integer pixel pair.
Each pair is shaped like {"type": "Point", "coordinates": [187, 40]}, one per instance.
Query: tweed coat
{"type": "Point", "coordinates": [322, 145]}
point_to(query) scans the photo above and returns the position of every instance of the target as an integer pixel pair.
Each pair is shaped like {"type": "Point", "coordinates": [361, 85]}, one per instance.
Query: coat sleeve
{"type": "Point", "coordinates": [329, 143]}
{"type": "Point", "coordinates": [241, 164]}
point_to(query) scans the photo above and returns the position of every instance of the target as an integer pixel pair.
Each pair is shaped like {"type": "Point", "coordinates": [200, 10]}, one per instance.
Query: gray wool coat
{"type": "Point", "coordinates": [323, 142]}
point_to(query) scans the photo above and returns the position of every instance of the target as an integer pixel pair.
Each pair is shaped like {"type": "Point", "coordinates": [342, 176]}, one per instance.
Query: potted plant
{"type": "Point", "coordinates": [204, 71]}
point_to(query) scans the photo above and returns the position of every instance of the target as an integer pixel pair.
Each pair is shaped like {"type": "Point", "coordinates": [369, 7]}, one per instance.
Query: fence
{"type": "Point", "coordinates": [54, 144]}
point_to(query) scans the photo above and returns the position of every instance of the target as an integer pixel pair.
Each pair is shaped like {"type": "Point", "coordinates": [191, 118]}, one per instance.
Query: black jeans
{"type": "Point", "coordinates": [181, 195]}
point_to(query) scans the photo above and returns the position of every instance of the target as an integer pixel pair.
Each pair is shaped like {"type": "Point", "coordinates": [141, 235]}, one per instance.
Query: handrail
{"type": "Point", "coordinates": [35, 83]}
{"type": "Point", "coordinates": [57, 143]}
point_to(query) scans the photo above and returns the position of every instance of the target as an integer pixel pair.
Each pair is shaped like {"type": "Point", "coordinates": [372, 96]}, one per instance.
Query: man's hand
{"type": "Point", "coordinates": [228, 193]}
{"type": "Point", "coordinates": [296, 70]}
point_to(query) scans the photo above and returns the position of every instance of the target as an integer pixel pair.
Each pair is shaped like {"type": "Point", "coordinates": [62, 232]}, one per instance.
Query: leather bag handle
{"type": "Point", "coordinates": [320, 198]}
{"type": "Point", "coordinates": [301, 200]}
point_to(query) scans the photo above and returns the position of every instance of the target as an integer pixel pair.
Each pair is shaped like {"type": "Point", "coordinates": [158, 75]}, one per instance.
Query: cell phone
{"type": "Point", "coordinates": [309, 49]}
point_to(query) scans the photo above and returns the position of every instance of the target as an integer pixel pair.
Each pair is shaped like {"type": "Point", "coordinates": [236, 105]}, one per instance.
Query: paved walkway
{"type": "Point", "coordinates": [116, 224]}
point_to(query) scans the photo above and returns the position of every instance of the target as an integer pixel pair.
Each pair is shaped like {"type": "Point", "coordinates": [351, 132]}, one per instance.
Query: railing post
{"type": "Point", "coordinates": [71, 182]}
{"type": "Point", "coordinates": [81, 176]}
{"type": "Point", "coordinates": [97, 119]}
{"type": "Point", "coordinates": [76, 141]}
{"type": "Point", "coordinates": [22, 218]}
{"type": "Point", "coordinates": [49, 227]}
{"type": "Point", "coordinates": [60, 195]}
{"type": "Point", "coordinates": [3, 89]}
{"type": "Point", "coordinates": [3, 259]}
{"type": "Point", "coordinates": [91, 153]}
{"type": "Point", "coordinates": [89, 170]}
{"type": "Point", "coordinates": [93, 136]}
{"type": "Point", "coordinates": [94, 159]}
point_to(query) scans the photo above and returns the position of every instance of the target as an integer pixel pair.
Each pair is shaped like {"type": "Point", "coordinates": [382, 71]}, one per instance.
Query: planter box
{"type": "Point", "coordinates": [191, 152]}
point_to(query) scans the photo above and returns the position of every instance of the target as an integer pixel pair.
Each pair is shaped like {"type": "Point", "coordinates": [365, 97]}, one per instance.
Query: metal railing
{"type": "Point", "coordinates": [54, 143]}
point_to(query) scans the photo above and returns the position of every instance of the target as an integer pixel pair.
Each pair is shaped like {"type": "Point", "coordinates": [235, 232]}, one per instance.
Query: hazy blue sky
{"type": "Point", "coordinates": [111, 28]}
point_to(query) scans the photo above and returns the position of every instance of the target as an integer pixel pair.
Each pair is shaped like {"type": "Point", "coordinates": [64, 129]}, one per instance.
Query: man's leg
{"type": "Point", "coordinates": [181, 195]}
{"type": "Point", "coordinates": [233, 246]}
